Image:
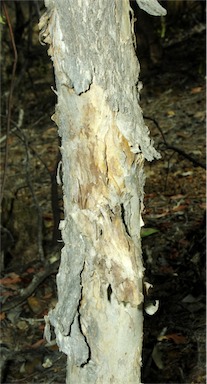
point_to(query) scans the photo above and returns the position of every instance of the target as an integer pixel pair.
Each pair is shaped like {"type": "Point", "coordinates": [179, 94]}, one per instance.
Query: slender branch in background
{"type": "Point", "coordinates": [10, 99]}
{"type": "Point", "coordinates": [18, 125]}
{"type": "Point", "coordinates": [54, 187]}
{"type": "Point", "coordinates": [36, 281]}
{"type": "Point", "coordinates": [157, 125]}
{"type": "Point", "coordinates": [34, 197]}
{"type": "Point", "coordinates": [195, 162]}
{"type": "Point", "coordinates": [24, 139]}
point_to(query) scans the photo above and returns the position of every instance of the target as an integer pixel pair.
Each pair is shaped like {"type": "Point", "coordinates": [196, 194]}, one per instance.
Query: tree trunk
{"type": "Point", "coordinates": [98, 318]}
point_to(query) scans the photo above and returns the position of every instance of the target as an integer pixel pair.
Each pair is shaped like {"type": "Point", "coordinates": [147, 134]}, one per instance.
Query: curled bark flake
{"type": "Point", "coordinates": [152, 7]}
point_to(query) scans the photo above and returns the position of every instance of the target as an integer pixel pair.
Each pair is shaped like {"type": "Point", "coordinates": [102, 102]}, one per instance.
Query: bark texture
{"type": "Point", "coordinates": [98, 318]}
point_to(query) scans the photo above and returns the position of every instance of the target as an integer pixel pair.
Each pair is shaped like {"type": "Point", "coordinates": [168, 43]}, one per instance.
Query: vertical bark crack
{"type": "Point", "coordinates": [123, 219]}
{"type": "Point", "coordinates": [107, 168]}
{"type": "Point", "coordinates": [79, 322]}
{"type": "Point", "coordinates": [109, 292]}
{"type": "Point", "coordinates": [86, 341]}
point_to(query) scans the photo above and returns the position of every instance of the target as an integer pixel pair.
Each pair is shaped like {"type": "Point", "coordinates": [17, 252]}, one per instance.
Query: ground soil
{"type": "Point", "coordinates": [173, 238]}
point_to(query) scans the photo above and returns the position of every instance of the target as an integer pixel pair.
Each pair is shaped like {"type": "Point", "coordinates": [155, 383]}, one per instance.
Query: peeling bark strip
{"type": "Point", "coordinates": [98, 318]}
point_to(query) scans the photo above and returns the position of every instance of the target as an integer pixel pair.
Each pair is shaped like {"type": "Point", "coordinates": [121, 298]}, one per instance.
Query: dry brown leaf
{"type": "Point", "coordinates": [11, 279]}
{"type": "Point", "coordinates": [196, 90]}
{"type": "Point", "coordinates": [2, 316]}
{"type": "Point", "coordinates": [177, 197]}
{"type": "Point", "coordinates": [35, 304]}
{"type": "Point", "coordinates": [179, 208]}
{"type": "Point", "coordinates": [37, 344]}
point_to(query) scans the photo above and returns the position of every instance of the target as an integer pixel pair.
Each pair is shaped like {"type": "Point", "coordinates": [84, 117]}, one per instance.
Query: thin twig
{"type": "Point", "coordinates": [196, 162]}
{"type": "Point", "coordinates": [36, 281]}
{"type": "Point", "coordinates": [157, 125]}
{"type": "Point", "coordinates": [10, 99]}
{"type": "Point", "coordinates": [17, 125]}
{"type": "Point", "coordinates": [52, 174]}
{"type": "Point", "coordinates": [39, 211]}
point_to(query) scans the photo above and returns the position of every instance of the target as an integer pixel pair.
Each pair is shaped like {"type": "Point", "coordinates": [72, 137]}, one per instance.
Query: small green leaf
{"type": "Point", "coordinates": [148, 231]}
{"type": "Point", "coordinates": [163, 27]}
{"type": "Point", "coordinates": [2, 20]}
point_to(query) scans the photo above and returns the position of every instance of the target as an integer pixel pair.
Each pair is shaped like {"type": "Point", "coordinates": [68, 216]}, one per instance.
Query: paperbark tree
{"type": "Point", "coordinates": [104, 141]}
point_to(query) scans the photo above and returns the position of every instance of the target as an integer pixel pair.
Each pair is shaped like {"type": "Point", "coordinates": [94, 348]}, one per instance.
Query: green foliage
{"type": "Point", "coordinates": [163, 27]}
{"type": "Point", "coordinates": [2, 19]}
{"type": "Point", "coordinates": [148, 231]}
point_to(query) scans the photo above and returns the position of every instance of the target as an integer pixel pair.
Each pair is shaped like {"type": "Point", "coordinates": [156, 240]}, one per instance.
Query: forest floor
{"type": "Point", "coordinates": [173, 100]}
